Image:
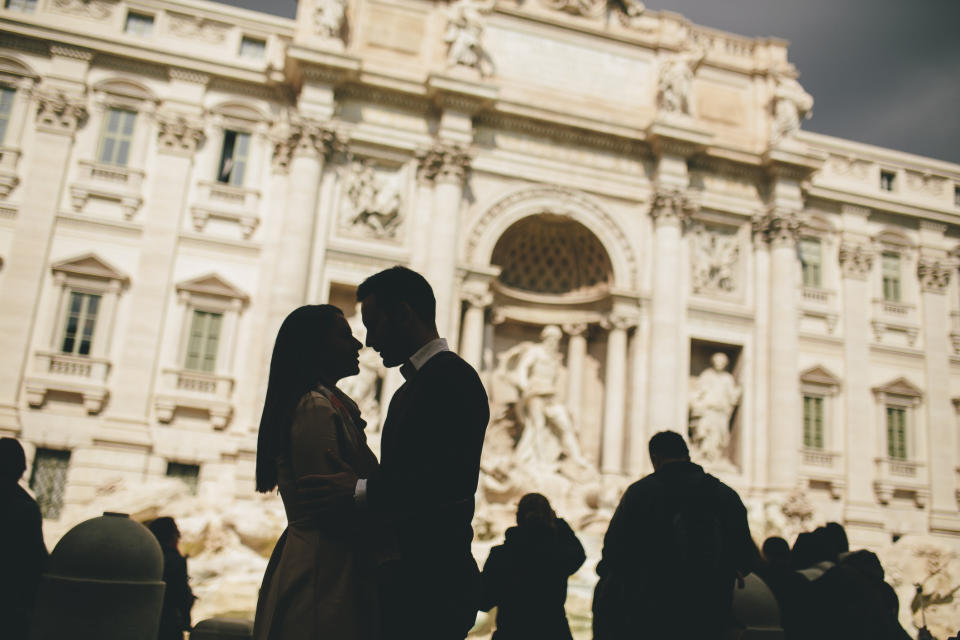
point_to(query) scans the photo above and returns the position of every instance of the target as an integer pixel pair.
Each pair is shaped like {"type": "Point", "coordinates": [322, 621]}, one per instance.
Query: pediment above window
{"type": "Point", "coordinates": [894, 240]}
{"type": "Point", "coordinates": [125, 88]}
{"type": "Point", "coordinates": [820, 376]}
{"type": "Point", "coordinates": [90, 265]}
{"type": "Point", "coordinates": [899, 387]}
{"type": "Point", "coordinates": [212, 285]}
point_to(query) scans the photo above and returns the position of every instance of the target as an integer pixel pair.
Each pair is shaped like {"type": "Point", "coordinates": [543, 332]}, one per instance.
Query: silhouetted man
{"type": "Point", "coordinates": [430, 462]}
{"type": "Point", "coordinates": [526, 576]}
{"type": "Point", "coordinates": [22, 551]}
{"type": "Point", "coordinates": [673, 552]}
{"type": "Point", "coordinates": [177, 597]}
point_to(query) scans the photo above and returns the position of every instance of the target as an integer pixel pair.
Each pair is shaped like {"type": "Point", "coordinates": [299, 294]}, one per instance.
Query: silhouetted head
{"type": "Point", "coordinates": [534, 511]}
{"type": "Point", "coordinates": [836, 537]}
{"type": "Point", "coordinates": [810, 548]}
{"type": "Point", "coordinates": [776, 552]}
{"type": "Point", "coordinates": [165, 530]}
{"type": "Point", "coordinates": [666, 447]}
{"type": "Point", "coordinates": [13, 461]}
{"type": "Point", "coordinates": [399, 311]}
{"type": "Point", "coordinates": [314, 344]}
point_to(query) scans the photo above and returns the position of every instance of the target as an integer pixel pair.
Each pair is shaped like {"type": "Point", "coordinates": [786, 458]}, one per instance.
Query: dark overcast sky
{"type": "Point", "coordinates": [885, 72]}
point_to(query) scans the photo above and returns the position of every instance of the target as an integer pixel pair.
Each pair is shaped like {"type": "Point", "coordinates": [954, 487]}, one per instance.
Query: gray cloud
{"type": "Point", "coordinates": [884, 72]}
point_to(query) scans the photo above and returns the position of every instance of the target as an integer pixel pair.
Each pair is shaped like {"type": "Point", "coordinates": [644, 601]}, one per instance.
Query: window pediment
{"type": "Point", "coordinates": [124, 88]}
{"type": "Point", "coordinates": [90, 265]}
{"type": "Point", "coordinates": [820, 376]}
{"type": "Point", "coordinates": [239, 112]}
{"type": "Point", "coordinates": [212, 285]}
{"type": "Point", "coordinates": [899, 387]}
{"type": "Point", "coordinates": [12, 67]}
{"type": "Point", "coordinates": [893, 240]}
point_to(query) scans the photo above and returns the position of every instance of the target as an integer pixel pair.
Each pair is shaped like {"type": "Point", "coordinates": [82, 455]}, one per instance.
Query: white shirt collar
{"type": "Point", "coordinates": [427, 351]}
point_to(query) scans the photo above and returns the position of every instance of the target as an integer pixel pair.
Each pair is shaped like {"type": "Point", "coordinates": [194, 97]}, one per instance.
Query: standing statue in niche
{"type": "Point", "coordinates": [714, 397]}
{"type": "Point", "coordinates": [547, 435]}
{"type": "Point", "coordinates": [328, 18]}
{"type": "Point", "coordinates": [464, 35]}
{"type": "Point", "coordinates": [790, 105]}
{"type": "Point", "coordinates": [373, 208]}
{"type": "Point", "coordinates": [676, 79]}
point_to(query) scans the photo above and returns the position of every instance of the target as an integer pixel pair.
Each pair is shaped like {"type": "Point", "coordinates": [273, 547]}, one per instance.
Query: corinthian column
{"type": "Point", "coordinates": [59, 115]}
{"type": "Point", "coordinates": [177, 142]}
{"type": "Point", "coordinates": [615, 394]}
{"type": "Point", "coordinates": [427, 169]}
{"type": "Point", "coordinates": [471, 343]}
{"type": "Point", "coordinates": [934, 274]}
{"type": "Point", "coordinates": [576, 358]}
{"type": "Point", "coordinates": [452, 162]}
{"type": "Point", "coordinates": [784, 405]}
{"type": "Point", "coordinates": [669, 209]}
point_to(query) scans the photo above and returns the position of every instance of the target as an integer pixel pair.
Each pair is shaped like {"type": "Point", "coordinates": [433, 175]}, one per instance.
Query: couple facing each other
{"type": "Point", "coordinates": [372, 549]}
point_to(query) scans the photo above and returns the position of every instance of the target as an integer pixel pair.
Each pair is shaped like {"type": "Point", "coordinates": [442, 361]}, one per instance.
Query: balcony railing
{"type": "Point", "coordinates": [896, 475]}
{"type": "Point", "coordinates": [227, 202]}
{"type": "Point", "coordinates": [821, 459]}
{"type": "Point", "coordinates": [195, 390]}
{"type": "Point", "coordinates": [83, 375]}
{"type": "Point", "coordinates": [815, 295]}
{"type": "Point", "coordinates": [108, 182]}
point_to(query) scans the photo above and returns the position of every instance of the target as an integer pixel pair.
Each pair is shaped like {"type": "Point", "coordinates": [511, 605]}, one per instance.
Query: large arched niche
{"type": "Point", "coordinates": [552, 255]}
{"type": "Point", "coordinates": [557, 202]}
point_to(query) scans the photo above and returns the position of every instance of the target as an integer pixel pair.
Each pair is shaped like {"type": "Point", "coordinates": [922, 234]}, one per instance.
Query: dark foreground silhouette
{"type": "Point", "coordinates": [178, 598]}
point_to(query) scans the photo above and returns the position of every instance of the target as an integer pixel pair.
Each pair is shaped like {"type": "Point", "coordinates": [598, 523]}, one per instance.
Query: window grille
{"type": "Point", "coordinates": [48, 480]}
{"type": "Point", "coordinates": [189, 474]}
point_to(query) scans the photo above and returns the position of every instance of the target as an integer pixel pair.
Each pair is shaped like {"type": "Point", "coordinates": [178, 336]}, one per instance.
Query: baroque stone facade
{"type": "Point", "coordinates": [625, 197]}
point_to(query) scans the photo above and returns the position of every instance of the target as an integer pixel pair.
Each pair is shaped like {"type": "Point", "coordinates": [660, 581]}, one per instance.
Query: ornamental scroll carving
{"type": "Point", "coordinates": [196, 28]}
{"type": "Point", "coordinates": [96, 9]}
{"type": "Point", "coordinates": [178, 135]}
{"type": "Point", "coordinates": [856, 260]}
{"type": "Point", "coordinates": [672, 206]}
{"type": "Point", "coordinates": [934, 275]}
{"type": "Point", "coordinates": [60, 112]}
{"type": "Point", "coordinates": [464, 35]}
{"type": "Point", "coordinates": [778, 227]}
{"type": "Point", "coordinates": [716, 258]}
{"type": "Point", "coordinates": [372, 206]}
{"type": "Point", "coordinates": [443, 162]}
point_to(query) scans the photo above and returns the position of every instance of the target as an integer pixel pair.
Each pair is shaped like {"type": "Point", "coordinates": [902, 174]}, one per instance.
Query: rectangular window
{"type": "Point", "coordinates": [138, 24]}
{"type": "Point", "coordinates": [189, 474]}
{"type": "Point", "coordinates": [116, 137]}
{"type": "Point", "coordinates": [233, 157]}
{"type": "Point", "coordinates": [253, 48]}
{"type": "Point", "coordinates": [886, 180]}
{"type": "Point", "coordinates": [810, 261]}
{"type": "Point", "coordinates": [6, 108]}
{"type": "Point", "coordinates": [897, 433]}
{"type": "Point", "coordinates": [80, 322]}
{"type": "Point", "coordinates": [813, 422]}
{"type": "Point", "coordinates": [203, 341]}
{"type": "Point", "coordinates": [21, 5]}
{"type": "Point", "coordinates": [956, 196]}
{"type": "Point", "coordinates": [891, 276]}
{"type": "Point", "coordinates": [48, 480]}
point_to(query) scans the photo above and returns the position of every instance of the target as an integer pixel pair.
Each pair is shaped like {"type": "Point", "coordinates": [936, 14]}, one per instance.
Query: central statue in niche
{"type": "Point", "coordinates": [712, 400]}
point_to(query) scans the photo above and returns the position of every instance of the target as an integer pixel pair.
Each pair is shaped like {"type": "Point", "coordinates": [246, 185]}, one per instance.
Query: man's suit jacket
{"type": "Point", "coordinates": [429, 466]}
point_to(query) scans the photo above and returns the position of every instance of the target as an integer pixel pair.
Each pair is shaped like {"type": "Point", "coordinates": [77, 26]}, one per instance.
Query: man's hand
{"type": "Point", "coordinates": [326, 492]}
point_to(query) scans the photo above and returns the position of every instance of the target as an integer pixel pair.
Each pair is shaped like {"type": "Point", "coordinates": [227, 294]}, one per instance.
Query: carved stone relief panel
{"type": "Point", "coordinates": [197, 28]}
{"type": "Point", "coordinates": [371, 202]}
{"type": "Point", "coordinates": [715, 259]}
{"type": "Point", "coordinates": [96, 9]}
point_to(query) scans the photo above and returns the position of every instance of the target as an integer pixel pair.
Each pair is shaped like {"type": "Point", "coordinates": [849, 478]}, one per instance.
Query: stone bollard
{"type": "Point", "coordinates": [222, 629]}
{"type": "Point", "coordinates": [104, 581]}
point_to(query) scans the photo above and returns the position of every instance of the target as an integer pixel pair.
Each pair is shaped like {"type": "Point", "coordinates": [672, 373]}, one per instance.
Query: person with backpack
{"type": "Point", "coordinates": [676, 547]}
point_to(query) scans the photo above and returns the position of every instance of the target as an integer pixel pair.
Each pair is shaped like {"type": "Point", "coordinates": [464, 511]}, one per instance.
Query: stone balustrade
{"type": "Point", "coordinates": [196, 390]}
{"type": "Point", "coordinates": [83, 375]}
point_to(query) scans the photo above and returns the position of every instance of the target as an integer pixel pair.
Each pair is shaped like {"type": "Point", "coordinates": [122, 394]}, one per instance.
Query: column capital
{"type": "Point", "coordinates": [178, 135]}
{"type": "Point", "coordinates": [778, 226]}
{"type": "Point", "coordinates": [573, 329]}
{"type": "Point", "coordinates": [477, 298]}
{"type": "Point", "coordinates": [443, 162]}
{"type": "Point", "coordinates": [58, 112]}
{"type": "Point", "coordinates": [856, 260]}
{"type": "Point", "coordinates": [619, 321]}
{"type": "Point", "coordinates": [305, 137]}
{"type": "Point", "coordinates": [934, 275]}
{"type": "Point", "coordinates": [671, 206]}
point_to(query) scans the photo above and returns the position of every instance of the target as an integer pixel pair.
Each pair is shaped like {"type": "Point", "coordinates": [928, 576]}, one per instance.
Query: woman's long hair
{"type": "Point", "coordinates": [294, 370]}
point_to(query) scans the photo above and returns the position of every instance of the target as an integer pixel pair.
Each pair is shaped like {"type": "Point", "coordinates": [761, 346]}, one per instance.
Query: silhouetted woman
{"type": "Point", "coordinates": [319, 582]}
{"type": "Point", "coordinates": [177, 596]}
{"type": "Point", "coordinates": [526, 576]}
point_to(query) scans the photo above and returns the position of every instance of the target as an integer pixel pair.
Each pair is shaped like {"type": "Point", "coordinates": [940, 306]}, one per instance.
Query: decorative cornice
{"type": "Point", "coordinates": [71, 52]}
{"type": "Point", "coordinates": [189, 75]}
{"type": "Point", "coordinates": [934, 275]}
{"type": "Point", "coordinates": [178, 135]}
{"type": "Point", "coordinates": [563, 133]}
{"type": "Point", "coordinates": [29, 45]}
{"type": "Point", "coordinates": [856, 260]}
{"type": "Point", "coordinates": [59, 112]}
